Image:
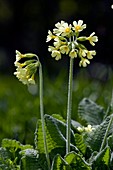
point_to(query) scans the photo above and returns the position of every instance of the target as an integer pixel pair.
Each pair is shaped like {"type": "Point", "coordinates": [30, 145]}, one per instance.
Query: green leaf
{"type": "Point", "coordinates": [75, 161]}
{"type": "Point", "coordinates": [6, 160]}
{"type": "Point", "coordinates": [70, 162]}
{"type": "Point", "coordinates": [31, 160]}
{"type": "Point", "coordinates": [95, 138]}
{"type": "Point", "coordinates": [59, 163]}
{"type": "Point", "coordinates": [102, 159]}
{"type": "Point", "coordinates": [14, 145]}
{"type": "Point", "coordinates": [12, 148]}
{"type": "Point", "coordinates": [90, 112]}
{"type": "Point", "coordinates": [59, 117]}
{"type": "Point", "coordinates": [55, 136]}
{"type": "Point", "coordinates": [4, 154]}
{"type": "Point", "coordinates": [9, 143]}
{"type": "Point", "coordinates": [80, 143]}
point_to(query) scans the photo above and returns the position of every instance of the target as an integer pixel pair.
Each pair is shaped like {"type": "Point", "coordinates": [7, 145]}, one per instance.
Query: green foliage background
{"type": "Point", "coordinates": [19, 105]}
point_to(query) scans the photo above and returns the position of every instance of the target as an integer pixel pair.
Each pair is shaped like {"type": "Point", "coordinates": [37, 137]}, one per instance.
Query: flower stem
{"type": "Point", "coordinates": [69, 106]}
{"type": "Point", "coordinates": [42, 114]}
{"type": "Point", "coordinates": [107, 130]}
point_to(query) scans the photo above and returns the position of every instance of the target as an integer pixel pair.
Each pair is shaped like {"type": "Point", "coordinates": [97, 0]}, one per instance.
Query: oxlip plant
{"type": "Point", "coordinates": [62, 144]}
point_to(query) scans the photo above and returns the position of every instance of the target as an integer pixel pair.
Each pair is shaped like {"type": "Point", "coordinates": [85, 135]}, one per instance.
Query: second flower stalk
{"type": "Point", "coordinates": [27, 67]}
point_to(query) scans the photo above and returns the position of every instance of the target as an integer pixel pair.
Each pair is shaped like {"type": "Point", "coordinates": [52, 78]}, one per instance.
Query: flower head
{"type": "Point", "coordinates": [26, 70]}
{"type": "Point", "coordinates": [89, 128]}
{"type": "Point", "coordinates": [66, 41]}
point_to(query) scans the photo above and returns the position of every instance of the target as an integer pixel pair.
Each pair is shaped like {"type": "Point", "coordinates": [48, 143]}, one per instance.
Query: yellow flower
{"type": "Point", "coordinates": [84, 62]}
{"type": "Point", "coordinates": [57, 42]}
{"type": "Point", "coordinates": [31, 80]}
{"type": "Point", "coordinates": [90, 54]}
{"type": "Point", "coordinates": [17, 64]}
{"type": "Point", "coordinates": [25, 71]}
{"type": "Point", "coordinates": [24, 75]}
{"type": "Point", "coordinates": [64, 49]}
{"type": "Point", "coordinates": [67, 41]}
{"type": "Point", "coordinates": [50, 48]}
{"type": "Point", "coordinates": [82, 52]}
{"type": "Point", "coordinates": [57, 30]}
{"type": "Point", "coordinates": [92, 39]}
{"type": "Point", "coordinates": [62, 29]}
{"type": "Point", "coordinates": [80, 129]}
{"type": "Point", "coordinates": [21, 74]}
{"type": "Point", "coordinates": [89, 128]}
{"type": "Point", "coordinates": [50, 36]}
{"type": "Point", "coordinates": [19, 55]}
{"type": "Point", "coordinates": [65, 29]}
{"type": "Point", "coordinates": [56, 54]}
{"type": "Point", "coordinates": [73, 53]}
{"type": "Point", "coordinates": [78, 27]}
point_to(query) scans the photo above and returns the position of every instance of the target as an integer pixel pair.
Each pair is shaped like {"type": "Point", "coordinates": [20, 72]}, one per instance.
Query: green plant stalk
{"type": "Point", "coordinates": [105, 137]}
{"type": "Point", "coordinates": [69, 106]}
{"type": "Point", "coordinates": [42, 115]}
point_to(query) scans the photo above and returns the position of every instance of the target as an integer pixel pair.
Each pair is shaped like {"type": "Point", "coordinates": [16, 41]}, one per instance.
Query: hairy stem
{"type": "Point", "coordinates": [42, 114]}
{"type": "Point", "coordinates": [107, 130]}
{"type": "Point", "coordinates": [69, 106]}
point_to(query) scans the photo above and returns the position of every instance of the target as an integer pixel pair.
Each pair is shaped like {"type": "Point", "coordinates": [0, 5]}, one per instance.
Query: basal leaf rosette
{"type": "Point", "coordinates": [67, 40]}
{"type": "Point", "coordinates": [26, 67]}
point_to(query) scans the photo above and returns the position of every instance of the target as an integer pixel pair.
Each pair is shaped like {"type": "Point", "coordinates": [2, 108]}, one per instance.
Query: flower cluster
{"type": "Point", "coordinates": [89, 128]}
{"type": "Point", "coordinates": [67, 41]}
{"type": "Point", "coordinates": [26, 67]}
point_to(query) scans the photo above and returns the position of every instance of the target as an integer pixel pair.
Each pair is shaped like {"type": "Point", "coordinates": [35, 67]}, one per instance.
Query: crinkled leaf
{"type": "Point", "coordinates": [80, 143]}
{"type": "Point", "coordinates": [13, 144]}
{"type": "Point", "coordinates": [70, 161]}
{"type": "Point", "coordinates": [75, 161]}
{"type": "Point", "coordinates": [102, 159]}
{"type": "Point", "coordinates": [55, 135]}
{"type": "Point", "coordinates": [59, 117]}
{"type": "Point", "coordinates": [31, 160]}
{"type": "Point", "coordinates": [59, 163]}
{"type": "Point", "coordinates": [75, 124]}
{"type": "Point", "coordinates": [4, 154]}
{"type": "Point", "coordinates": [90, 112]}
{"type": "Point", "coordinates": [9, 143]}
{"type": "Point", "coordinates": [6, 160]}
{"type": "Point", "coordinates": [95, 138]}
{"type": "Point", "coordinates": [12, 147]}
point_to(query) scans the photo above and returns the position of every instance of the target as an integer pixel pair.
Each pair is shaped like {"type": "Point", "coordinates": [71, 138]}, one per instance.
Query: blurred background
{"type": "Point", "coordinates": [24, 26]}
